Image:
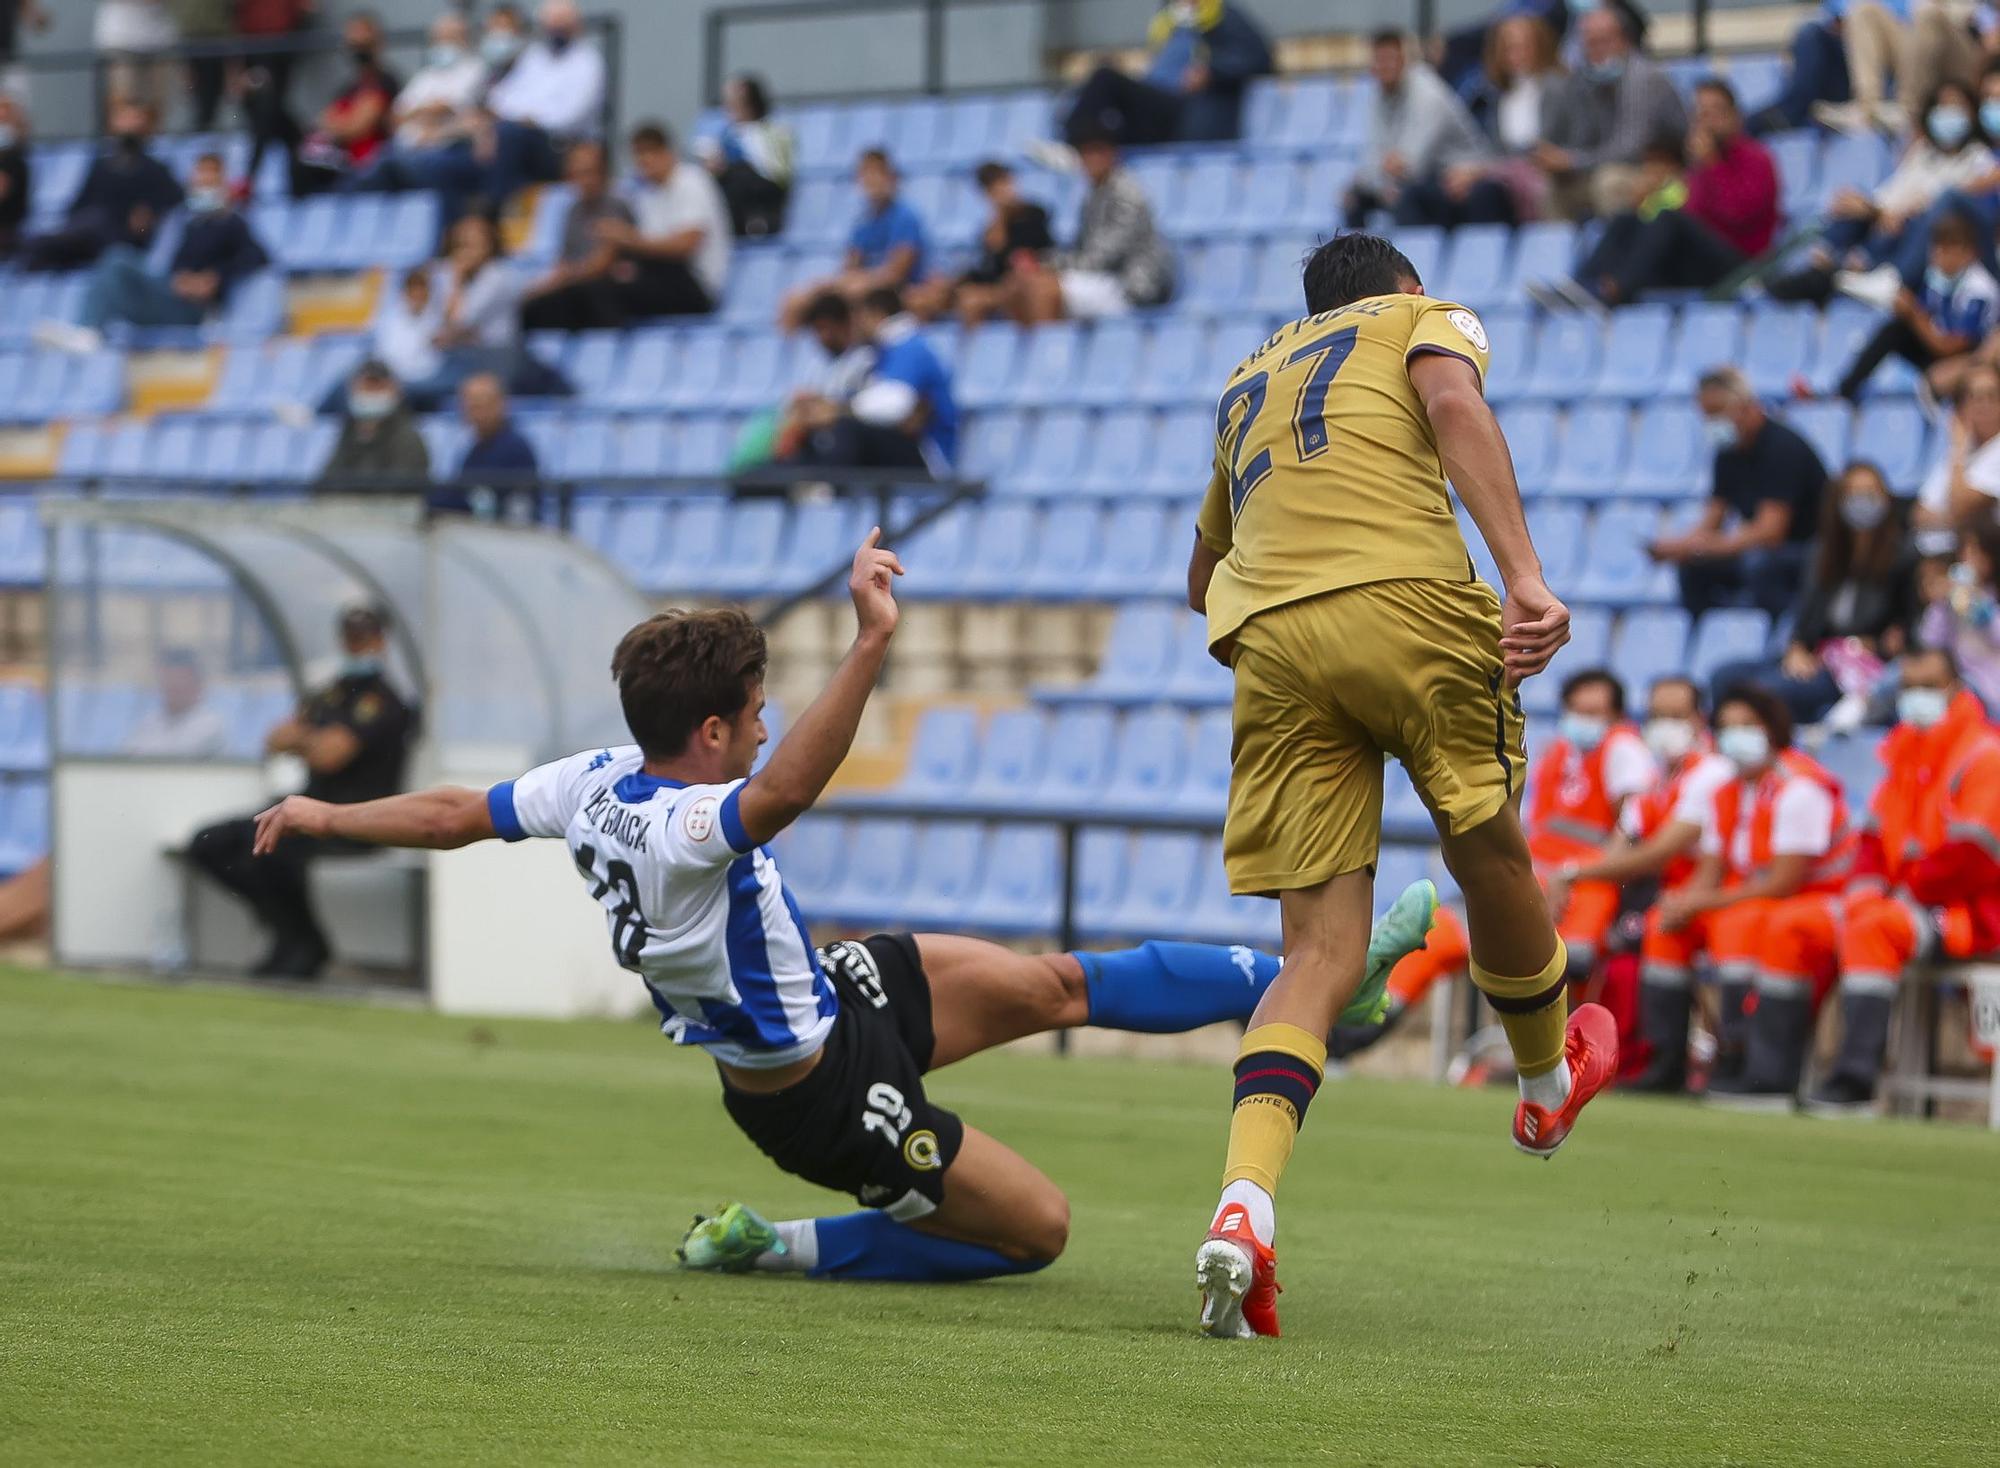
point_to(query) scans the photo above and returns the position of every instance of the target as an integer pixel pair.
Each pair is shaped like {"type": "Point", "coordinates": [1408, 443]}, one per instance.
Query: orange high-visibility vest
{"type": "Point", "coordinates": [1573, 815]}
{"type": "Point", "coordinates": [1829, 872]}
{"type": "Point", "coordinates": [1657, 806]}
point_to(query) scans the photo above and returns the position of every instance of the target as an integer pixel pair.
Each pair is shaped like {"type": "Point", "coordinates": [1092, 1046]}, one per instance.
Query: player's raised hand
{"type": "Point", "coordinates": [872, 586]}
{"type": "Point", "coordinates": [1533, 627]}
{"type": "Point", "coordinates": [293, 816]}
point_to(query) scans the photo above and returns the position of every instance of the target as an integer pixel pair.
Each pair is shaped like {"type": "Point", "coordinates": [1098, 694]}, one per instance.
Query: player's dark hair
{"type": "Point", "coordinates": [884, 300]}
{"type": "Point", "coordinates": [1943, 654]}
{"type": "Point", "coordinates": [1667, 148]}
{"type": "Point", "coordinates": [1770, 710]}
{"type": "Point", "coordinates": [1386, 36]}
{"type": "Point", "coordinates": [879, 156]}
{"type": "Point", "coordinates": [652, 135]}
{"type": "Point", "coordinates": [1577, 682]}
{"type": "Point", "coordinates": [1953, 228]}
{"type": "Point", "coordinates": [210, 157]}
{"type": "Point", "coordinates": [1351, 267]}
{"type": "Point", "coordinates": [828, 306]}
{"type": "Point", "coordinates": [677, 670]}
{"type": "Point", "coordinates": [1681, 680]}
{"type": "Point", "coordinates": [991, 172]}
{"type": "Point", "coordinates": [756, 96]}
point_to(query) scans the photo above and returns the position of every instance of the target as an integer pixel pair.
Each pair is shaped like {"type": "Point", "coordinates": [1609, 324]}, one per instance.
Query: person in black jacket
{"type": "Point", "coordinates": [1017, 227]}
{"type": "Point", "coordinates": [14, 173]}
{"type": "Point", "coordinates": [123, 199]}
{"type": "Point", "coordinates": [1859, 603]}
{"type": "Point", "coordinates": [216, 252]}
{"type": "Point", "coordinates": [1205, 53]}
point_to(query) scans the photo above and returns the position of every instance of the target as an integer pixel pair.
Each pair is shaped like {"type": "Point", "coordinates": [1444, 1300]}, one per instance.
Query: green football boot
{"type": "Point", "coordinates": [728, 1243]}
{"type": "Point", "coordinates": [1399, 931]}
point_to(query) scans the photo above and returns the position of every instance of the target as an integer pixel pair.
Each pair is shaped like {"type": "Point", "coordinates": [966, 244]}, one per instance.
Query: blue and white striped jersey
{"type": "Point", "coordinates": [694, 908]}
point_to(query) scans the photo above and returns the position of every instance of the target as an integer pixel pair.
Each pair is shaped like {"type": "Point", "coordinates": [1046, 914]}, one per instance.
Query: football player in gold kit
{"type": "Point", "coordinates": [1338, 588]}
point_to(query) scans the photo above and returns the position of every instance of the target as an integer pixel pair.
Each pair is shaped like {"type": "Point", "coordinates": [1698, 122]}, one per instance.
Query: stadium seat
{"type": "Point", "coordinates": [1204, 791]}
{"type": "Point", "coordinates": [1120, 452]}
{"type": "Point", "coordinates": [1824, 425]}
{"type": "Point", "coordinates": [1779, 345]}
{"type": "Point", "coordinates": [1635, 352]}
{"type": "Point", "coordinates": [1148, 761]}
{"type": "Point", "coordinates": [1893, 433]}
{"type": "Point", "coordinates": [1053, 458]}
{"type": "Point", "coordinates": [989, 447]}
{"type": "Point", "coordinates": [812, 853]}
{"type": "Point", "coordinates": [986, 370]}
{"type": "Point", "coordinates": [1169, 374]}
{"type": "Point", "coordinates": [949, 863]}
{"type": "Point", "coordinates": [1670, 457]}
{"type": "Point", "coordinates": [1648, 645]}
{"type": "Point", "coordinates": [1567, 358]}
{"type": "Point", "coordinates": [1542, 249]}
{"type": "Point", "coordinates": [1219, 916]}
{"type": "Point", "coordinates": [1006, 535]}
{"type": "Point", "coordinates": [1594, 448]}
{"type": "Point", "coordinates": [1134, 553]}
{"type": "Point", "coordinates": [1617, 571]}
{"type": "Point", "coordinates": [1103, 866]}
{"type": "Point", "coordinates": [1162, 886]}
{"type": "Point", "coordinates": [1105, 373]}
{"type": "Point", "coordinates": [1209, 196]}
{"type": "Point", "coordinates": [1476, 269]}
{"type": "Point", "coordinates": [1710, 335]}
{"type": "Point", "coordinates": [1019, 894]}
{"type": "Point", "coordinates": [1184, 455]}
{"type": "Point", "coordinates": [1196, 677]}
{"type": "Point", "coordinates": [1727, 636]}
{"type": "Point", "coordinates": [1532, 434]}
{"type": "Point", "coordinates": [1068, 547]}
{"type": "Point", "coordinates": [881, 857]}
{"type": "Point", "coordinates": [1215, 277]}
{"type": "Point", "coordinates": [1009, 759]}
{"type": "Point", "coordinates": [1049, 368]}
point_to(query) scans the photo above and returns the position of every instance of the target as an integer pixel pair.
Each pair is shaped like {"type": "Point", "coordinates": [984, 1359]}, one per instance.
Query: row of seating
{"type": "Point", "coordinates": [257, 311]}
{"type": "Point", "coordinates": [56, 169]}
{"type": "Point", "coordinates": [24, 823]}
{"type": "Point", "coordinates": [98, 718]}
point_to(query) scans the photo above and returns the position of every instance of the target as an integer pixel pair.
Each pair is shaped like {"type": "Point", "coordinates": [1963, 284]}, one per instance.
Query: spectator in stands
{"type": "Point", "coordinates": [1876, 37]}
{"type": "Point", "coordinates": [378, 437]}
{"type": "Point", "coordinates": [1120, 262]}
{"type": "Point", "coordinates": [1465, 57]}
{"type": "Point", "coordinates": [406, 332]}
{"type": "Point", "coordinates": [824, 398]}
{"type": "Point", "coordinates": [122, 201]}
{"type": "Point", "coordinates": [130, 35]}
{"type": "Point", "coordinates": [479, 326]}
{"type": "Point", "coordinates": [1605, 115]}
{"type": "Point", "coordinates": [673, 259]}
{"type": "Point", "coordinates": [206, 23]}
{"type": "Point", "coordinates": [887, 246]}
{"type": "Point", "coordinates": [1726, 217]}
{"type": "Point", "coordinates": [1419, 136]}
{"type": "Point", "coordinates": [496, 479]}
{"type": "Point", "coordinates": [1766, 477]}
{"type": "Point", "coordinates": [1934, 329]}
{"type": "Point", "coordinates": [263, 82]}
{"type": "Point", "coordinates": [551, 95]}
{"type": "Point", "coordinates": [354, 736]}
{"type": "Point", "coordinates": [1962, 616]}
{"type": "Point", "coordinates": [1513, 104]}
{"type": "Point", "coordinates": [1949, 42]}
{"type": "Point", "coordinates": [184, 724]}
{"type": "Point", "coordinates": [1963, 485]}
{"type": "Point", "coordinates": [436, 104]}
{"type": "Point", "coordinates": [1866, 236]}
{"type": "Point", "coordinates": [1858, 609]}
{"type": "Point", "coordinates": [1017, 237]}
{"type": "Point", "coordinates": [903, 415]}
{"type": "Point", "coordinates": [1205, 53]}
{"type": "Point", "coordinates": [14, 16]}
{"type": "Point", "coordinates": [578, 292]}
{"type": "Point", "coordinates": [1816, 72]}
{"type": "Point", "coordinates": [751, 158]}
{"type": "Point", "coordinates": [1926, 881]}
{"type": "Point", "coordinates": [16, 173]}
{"type": "Point", "coordinates": [1778, 829]}
{"type": "Point", "coordinates": [217, 252]}
{"type": "Point", "coordinates": [502, 39]}
{"type": "Point", "coordinates": [353, 128]}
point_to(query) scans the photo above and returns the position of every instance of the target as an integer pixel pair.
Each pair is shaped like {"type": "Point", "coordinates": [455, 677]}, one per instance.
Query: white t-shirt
{"type": "Point", "coordinates": [1629, 766]}
{"type": "Point", "coordinates": [457, 86]}
{"type": "Point", "coordinates": [1801, 822]}
{"type": "Point", "coordinates": [694, 907]}
{"type": "Point", "coordinates": [1982, 472]}
{"type": "Point", "coordinates": [1696, 801]}
{"type": "Point", "coordinates": [200, 733]}
{"type": "Point", "coordinates": [689, 199]}
{"type": "Point", "coordinates": [1520, 115]}
{"type": "Point", "coordinates": [561, 94]}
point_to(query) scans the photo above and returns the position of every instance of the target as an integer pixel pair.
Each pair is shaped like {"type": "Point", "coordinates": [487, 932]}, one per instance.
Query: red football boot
{"type": "Point", "coordinates": [1591, 1053]}
{"type": "Point", "coordinates": [1237, 1274]}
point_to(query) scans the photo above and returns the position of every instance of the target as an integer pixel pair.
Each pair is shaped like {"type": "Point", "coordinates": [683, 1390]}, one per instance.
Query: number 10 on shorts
{"type": "Point", "coordinates": [887, 1113]}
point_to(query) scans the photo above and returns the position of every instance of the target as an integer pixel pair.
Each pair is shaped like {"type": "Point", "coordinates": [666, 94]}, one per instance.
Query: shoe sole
{"type": "Point", "coordinates": [1545, 1153]}
{"type": "Point", "coordinates": [1223, 1274]}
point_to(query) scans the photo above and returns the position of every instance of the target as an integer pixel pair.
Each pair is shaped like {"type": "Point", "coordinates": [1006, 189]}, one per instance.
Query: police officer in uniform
{"type": "Point", "coordinates": [354, 736]}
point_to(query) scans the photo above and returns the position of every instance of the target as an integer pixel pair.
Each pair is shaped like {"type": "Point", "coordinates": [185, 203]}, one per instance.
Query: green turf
{"type": "Point", "coordinates": [258, 1229]}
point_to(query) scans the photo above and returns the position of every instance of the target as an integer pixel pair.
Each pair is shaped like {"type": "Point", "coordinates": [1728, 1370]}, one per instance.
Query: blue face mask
{"type": "Point", "coordinates": [1721, 433]}
{"type": "Point", "coordinates": [1864, 511]}
{"type": "Point", "coordinates": [443, 56]}
{"type": "Point", "coordinates": [1949, 126]}
{"type": "Point", "coordinates": [499, 47]}
{"type": "Point", "coordinates": [1584, 732]}
{"type": "Point", "coordinates": [1922, 708]}
{"type": "Point", "coordinates": [207, 201]}
{"type": "Point", "coordinates": [361, 665]}
{"type": "Point", "coordinates": [1940, 283]}
{"type": "Point", "coordinates": [1605, 71]}
{"type": "Point", "coordinates": [1989, 117]}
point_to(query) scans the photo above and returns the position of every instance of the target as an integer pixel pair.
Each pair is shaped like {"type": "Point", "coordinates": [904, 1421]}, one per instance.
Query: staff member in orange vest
{"type": "Point", "coordinates": [1579, 785]}
{"type": "Point", "coordinates": [1927, 870]}
{"type": "Point", "coordinates": [1658, 833]}
{"type": "Point", "coordinates": [1776, 830]}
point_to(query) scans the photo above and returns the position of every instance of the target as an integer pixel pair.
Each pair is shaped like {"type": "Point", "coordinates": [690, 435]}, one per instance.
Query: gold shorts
{"type": "Point", "coordinates": [1326, 687]}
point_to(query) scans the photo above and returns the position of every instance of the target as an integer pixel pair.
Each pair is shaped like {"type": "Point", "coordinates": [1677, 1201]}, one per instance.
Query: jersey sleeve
{"type": "Point", "coordinates": [541, 802]}
{"type": "Point", "coordinates": [1629, 767]}
{"type": "Point", "coordinates": [705, 827]}
{"type": "Point", "coordinates": [1802, 823]}
{"type": "Point", "coordinates": [1704, 782]}
{"type": "Point", "coordinates": [1213, 524]}
{"type": "Point", "coordinates": [1452, 331]}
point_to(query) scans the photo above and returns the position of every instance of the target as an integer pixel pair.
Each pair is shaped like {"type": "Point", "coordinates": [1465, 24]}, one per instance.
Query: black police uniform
{"type": "Point", "coordinates": [275, 886]}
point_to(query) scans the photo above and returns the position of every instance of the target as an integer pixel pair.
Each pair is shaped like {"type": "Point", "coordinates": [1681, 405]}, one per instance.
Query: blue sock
{"type": "Point", "coordinates": [1165, 988]}
{"type": "Point", "coordinates": [871, 1245]}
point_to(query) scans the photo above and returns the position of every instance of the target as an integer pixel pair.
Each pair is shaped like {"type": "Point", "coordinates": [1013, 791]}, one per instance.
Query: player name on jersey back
{"type": "Point", "coordinates": [1326, 472]}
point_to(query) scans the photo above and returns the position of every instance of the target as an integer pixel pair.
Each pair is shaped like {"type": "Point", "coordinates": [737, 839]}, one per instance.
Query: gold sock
{"type": "Point", "coordinates": [1533, 1011]}
{"type": "Point", "coordinates": [1278, 1069]}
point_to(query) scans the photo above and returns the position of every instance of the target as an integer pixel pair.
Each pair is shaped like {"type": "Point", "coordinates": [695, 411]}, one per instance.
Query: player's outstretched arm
{"type": "Point", "coordinates": [443, 819]}
{"type": "Point", "coordinates": [1533, 623]}
{"type": "Point", "coordinates": [805, 760]}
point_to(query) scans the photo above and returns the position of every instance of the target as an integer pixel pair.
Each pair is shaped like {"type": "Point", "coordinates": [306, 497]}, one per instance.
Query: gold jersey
{"type": "Point", "coordinates": [1326, 470]}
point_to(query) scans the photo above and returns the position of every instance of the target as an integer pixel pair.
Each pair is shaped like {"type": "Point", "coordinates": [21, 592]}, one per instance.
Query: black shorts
{"type": "Point", "coordinates": [860, 1123]}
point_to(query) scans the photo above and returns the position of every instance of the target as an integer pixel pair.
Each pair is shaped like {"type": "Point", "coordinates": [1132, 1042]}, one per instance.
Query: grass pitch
{"type": "Point", "coordinates": [241, 1228]}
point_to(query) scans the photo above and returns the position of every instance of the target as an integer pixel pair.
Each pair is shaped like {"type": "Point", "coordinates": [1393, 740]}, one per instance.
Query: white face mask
{"type": "Point", "coordinates": [1721, 433]}
{"type": "Point", "coordinates": [370, 403]}
{"type": "Point", "coordinates": [1669, 739]}
{"type": "Point", "coordinates": [1584, 731]}
{"type": "Point", "coordinates": [1745, 746]}
{"type": "Point", "coordinates": [1922, 708]}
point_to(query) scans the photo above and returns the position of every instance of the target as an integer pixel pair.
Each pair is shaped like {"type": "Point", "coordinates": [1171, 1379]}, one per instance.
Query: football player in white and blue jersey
{"type": "Point", "coordinates": [822, 1053]}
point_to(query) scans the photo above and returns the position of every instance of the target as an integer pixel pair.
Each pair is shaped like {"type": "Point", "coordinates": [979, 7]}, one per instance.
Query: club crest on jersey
{"type": "Point", "coordinates": [699, 822]}
{"type": "Point", "coordinates": [921, 1151]}
{"type": "Point", "coordinates": [1468, 327]}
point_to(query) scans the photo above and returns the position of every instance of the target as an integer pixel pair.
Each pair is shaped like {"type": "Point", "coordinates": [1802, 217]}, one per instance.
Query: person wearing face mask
{"type": "Point", "coordinates": [431, 109]}
{"type": "Point", "coordinates": [351, 130]}
{"type": "Point", "coordinates": [1205, 53]}
{"type": "Point", "coordinates": [1769, 481]}
{"type": "Point", "coordinates": [1603, 117]}
{"type": "Point", "coordinates": [354, 735]}
{"type": "Point", "coordinates": [1937, 328]}
{"type": "Point", "coordinates": [503, 40]}
{"type": "Point", "coordinates": [556, 86]}
{"type": "Point", "coordinates": [1419, 136]}
{"type": "Point", "coordinates": [124, 196]}
{"type": "Point", "coordinates": [1581, 784]}
{"type": "Point", "coordinates": [1777, 829]}
{"type": "Point", "coordinates": [16, 173]}
{"type": "Point", "coordinates": [378, 438]}
{"type": "Point", "coordinates": [1927, 872]}
{"type": "Point", "coordinates": [217, 252]}
{"type": "Point", "coordinates": [1962, 487]}
{"type": "Point", "coordinates": [1858, 608]}
{"type": "Point", "coordinates": [1962, 615]}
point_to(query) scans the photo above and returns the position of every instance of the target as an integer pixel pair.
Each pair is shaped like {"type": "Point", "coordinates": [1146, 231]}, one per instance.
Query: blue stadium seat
{"type": "Point", "coordinates": [1120, 452]}
{"type": "Point", "coordinates": [1220, 917]}
{"type": "Point", "coordinates": [691, 546]}
{"type": "Point", "coordinates": [1010, 757]}
{"type": "Point", "coordinates": [1617, 571]}
{"type": "Point", "coordinates": [1853, 758]}
{"type": "Point", "coordinates": [1053, 459]}
{"type": "Point", "coordinates": [1567, 357]}
{"type": "Point", "coordinates": [1511, 331]}
{"type": "Point", "coordinates": [701, 361]}
{"type": "Point", "coordinates": [1170, 371]}
{"type": "Point", "coordinates": [1796, 155]}
{"type": "Point", "coordinates": [645, 447]}
{"type": "Point", "coordinates": [1196, 677]}
{"type": "Point", "coordinates": [990, 445]}
{"type": "Point", "coordinates": [1824, 425]}
{"type": "Point", "coordinates": [942, 756]}
{"type": "Point", "coordinates": [1214, 277]}
{"type": "Point", "coordinates": [1005, 532]}
{"type": "Point", "coordinates": [1209, 197]}
{"type": "Point", "coordinates": [758, 279]}
{"type": "Point", "coordinates": [1670, 456]}
{"type": "Point", "coordinates": [1648, 645]}
{"type": "Point", "coordinates": [881, 860]}
{"type": "Point", "coordinates": [24, 740]}
{"type": "Point", "coordinates": [753, 372]}
{"type": "Point", "coordinates": [1594, 447]}
{"type": "Point", "coordinates": [1148, 762]}
{"type": "Point", "coordinates": [1274, 283]}
{"type": "Point", "coordinates": [937, 556]}
{"type": "Point", "coordinates": [1019, 894]}
{"type": "Point", "coordinates": [1423, 247]}
{"type": "Point", "coordinates": [1163, 885]}
{"type": "Point", "coordinates": [1204, 791]}
{"type": "Point", "coordinates": [1779, 345]}
{"type": "Point", "coordinates": [1104, 376]}
{"type": "Point", "coordinates": [1893, 433]}
{"type": "Point", "coordinates": [1559, 536]}
{"type": "Point", "coordinates": [594, 363]}
{"type": "Point", "coordinates": [1730, 635]}
{"type": "Point", "coordinates": [22, 543]}
{"type": "Point", "coordinates": [987, 374]}
{"type": "Point", "coordinates": [823, 537]}
{"type": "Point", "coordinates": [1133, 558]}
{"type": "Point", "coordinates": [1137, 657]}
{"type": "Point", "coordinates": [751, 541]}
{"type": "Point", "coordinates": [1307, 114]}
{"type": "Point", "coordinates": [1532, 434]}
{"type": "Point", "coordinates": [1184, 455]}
{"type": "Point", "coordinates": [1103, 867]}
{"type": "Point", "coordinates": [1077, 763]}
{"type": "Point", "coordinates": [1542, 249]}
{"type": "Point", "coordinates": [1635, 352]}
{"type": "Point", "coordinates": [813, 854]}
{"type": "Point", "coordinates": [1274, 197]}
{"type": "Point", "coordinates": [1068, 546]}
{"type": "Point", "coordinates": [1846, 327]}
{"type": "Point", "coordinates": [1856, 161]}
{"type": "Point", "coordinates": [950, 861]}
{"type": "Point", "coordinates": [1476, 271]}
{"type": "Point", "coordinates": [1710, 335]}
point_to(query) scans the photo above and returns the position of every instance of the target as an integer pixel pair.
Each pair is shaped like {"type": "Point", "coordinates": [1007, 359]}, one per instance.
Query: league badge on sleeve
{"type": "Point", "coordinates": [1468, 327]}
{"type": "Point", "coordinates": [700, 819]}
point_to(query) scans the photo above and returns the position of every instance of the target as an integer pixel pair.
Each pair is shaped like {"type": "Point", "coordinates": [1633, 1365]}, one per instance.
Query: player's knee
{"type": "Point", "coordinates": [1045, 1231]}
